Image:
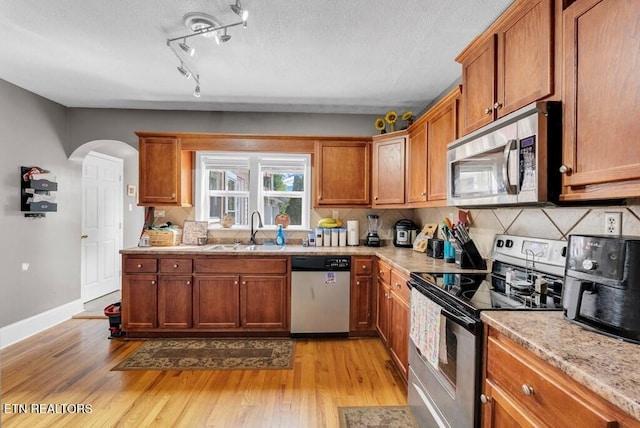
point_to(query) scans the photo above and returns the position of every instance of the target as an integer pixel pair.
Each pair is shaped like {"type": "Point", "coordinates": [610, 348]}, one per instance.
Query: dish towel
{"type": "Point", "coordinates": [426, 328]}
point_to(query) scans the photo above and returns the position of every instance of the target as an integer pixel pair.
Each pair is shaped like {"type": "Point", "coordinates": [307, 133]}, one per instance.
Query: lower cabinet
{"type": "Point", "coordinates": [196, 295]}
{"type": "Point", "coordinates": [521, 390]}
{"type": "Point", "coordinates": [392, 320]}
{"type": "Point", "coordinates": [362, 302]}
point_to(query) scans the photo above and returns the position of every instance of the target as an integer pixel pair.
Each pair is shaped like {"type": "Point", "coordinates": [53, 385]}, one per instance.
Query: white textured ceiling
{"type": "Point", "coordinates": [343, 56]}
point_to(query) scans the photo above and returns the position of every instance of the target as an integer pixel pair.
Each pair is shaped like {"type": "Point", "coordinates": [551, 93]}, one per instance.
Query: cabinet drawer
{"type": "Point", "coordinates": [384, 272]}
{"type": "Point", "coordinates": [176, 265]}
{"type": "Point", "coordinates": [399, 285]}
{"type": "Point", "coordinates": [140, 265]}
{"type": "Point", "coordinates": [363, 266]}
{"type": "Point", "coordinates": [541, 389]}
{"type": "Point", "coordinates": [241, 265]}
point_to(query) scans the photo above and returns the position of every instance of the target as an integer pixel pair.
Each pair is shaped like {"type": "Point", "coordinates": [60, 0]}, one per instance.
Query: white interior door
{"type": "Point", "coordinates": [101, 225]}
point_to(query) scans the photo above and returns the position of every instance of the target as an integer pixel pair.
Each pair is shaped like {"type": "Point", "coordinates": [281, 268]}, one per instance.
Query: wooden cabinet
{"type": "Point", "coordinates": [417, 164]}
{"type": "Point", "coordinates": [205, 294]}
{"type": "Point", "coordinates": [362, 292]}
{"type": "Point", "coordinates": [139, 293]}
{"type": "Point", "coordinates": [521, 390]}
{"type": "Point", "coordinates": [165, 172]}
{"type": "Point", "coordinates": [388, 175]}
{"type": "Point", "coordinates": [392, 320]}
{"type": "Point", "coordinates": [601, 153]}
{"type": "Point", "coordinates": [342, 173]}
{"type": "Point", "coordinates": [510, 65]}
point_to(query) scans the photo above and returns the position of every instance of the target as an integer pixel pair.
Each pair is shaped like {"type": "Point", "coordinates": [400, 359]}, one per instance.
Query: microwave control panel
{"type": "Point", "coordinates": [528, 163]}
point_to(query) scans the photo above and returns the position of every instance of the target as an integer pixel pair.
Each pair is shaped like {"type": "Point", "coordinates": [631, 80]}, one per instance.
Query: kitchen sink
{"type": "Point", "coordinates": [242, 247]}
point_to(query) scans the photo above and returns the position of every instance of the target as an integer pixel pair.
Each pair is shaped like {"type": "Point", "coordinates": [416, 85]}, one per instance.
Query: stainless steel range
{"type": "Point", "coordinates": [445, 347]}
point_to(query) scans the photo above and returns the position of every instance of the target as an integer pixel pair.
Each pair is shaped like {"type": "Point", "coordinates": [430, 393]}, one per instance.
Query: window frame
{"type": "Point", "coordinates": [256, 161]}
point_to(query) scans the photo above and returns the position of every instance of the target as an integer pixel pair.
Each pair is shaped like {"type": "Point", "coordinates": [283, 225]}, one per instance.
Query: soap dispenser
{"type": "Point", "coordinates": [280, 236]}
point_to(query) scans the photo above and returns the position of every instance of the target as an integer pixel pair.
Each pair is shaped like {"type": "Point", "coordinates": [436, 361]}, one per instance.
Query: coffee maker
{"type": "Point", "coordinates": [601, 288]}
{"type": "Point", "coordinates": [373, 240]}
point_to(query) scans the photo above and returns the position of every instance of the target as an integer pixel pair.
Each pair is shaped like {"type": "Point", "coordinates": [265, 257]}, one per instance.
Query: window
{"type": "Point", "coordinates": [236, 184]}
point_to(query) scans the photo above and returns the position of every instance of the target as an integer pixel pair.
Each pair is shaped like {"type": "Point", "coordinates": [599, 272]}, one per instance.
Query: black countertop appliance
{"type": "Point", "coordinates": [404, 233]}
{"type": "Point", "coordinates": [601, 289]}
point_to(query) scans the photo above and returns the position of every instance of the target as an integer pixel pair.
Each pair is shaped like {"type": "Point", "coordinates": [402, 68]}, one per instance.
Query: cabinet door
{"type": "Point", "coordinates": [361, 301]}
{"type": "Point", "coordinates": [389, 171]}
{"type": "Point", "coordinates": [264, 302]}
{"type": "Point", "coordinates": [601, 126]}
{"type": "Point", "coordinates": [175, 301]}
{"type": "Point", "coordinates": [139, 301]}
{"type": "Point", "coordinates": [417, 163]}
{"type": "Point", "coordinates": [159, 171]}
{"type": "Point", "coordinates": [525, 57]}
{"type": "Point", "coordinates": [501, 411]}
{"type": "Point", "coordinates": [478, 81]}
{"type": "Point", "coordinates": [442, 129]}
{"type": "Point", "coordinates": [216, 302]}
{"type": "Point", "coordinates": [343, 173]}
{"type": "Point", "coordinates": [383, 311]}
{"type": "Point", "coordinates": [399, 333]}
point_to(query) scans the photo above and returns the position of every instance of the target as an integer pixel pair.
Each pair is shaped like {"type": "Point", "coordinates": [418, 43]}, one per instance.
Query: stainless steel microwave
{"type": "Point", "coordinates": [514, 160]}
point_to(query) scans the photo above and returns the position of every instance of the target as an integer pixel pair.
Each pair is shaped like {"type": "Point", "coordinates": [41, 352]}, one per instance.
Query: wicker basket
{"type": "Point", "coordinates": [165, 238]}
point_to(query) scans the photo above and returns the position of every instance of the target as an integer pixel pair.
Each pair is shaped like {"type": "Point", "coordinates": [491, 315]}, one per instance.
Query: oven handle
{"type": "Point", "coordinates": [511, 189]}
{"type": "Point", "coordinates": [468, 323]}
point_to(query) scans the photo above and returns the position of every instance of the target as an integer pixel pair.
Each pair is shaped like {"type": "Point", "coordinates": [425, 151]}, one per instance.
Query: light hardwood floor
{"type": "Point", "coordinates": [71, 364]}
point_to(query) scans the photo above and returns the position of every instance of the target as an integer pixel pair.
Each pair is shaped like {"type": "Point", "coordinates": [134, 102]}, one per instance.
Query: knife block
{"type": "Point", "coordinates": [468, 257]}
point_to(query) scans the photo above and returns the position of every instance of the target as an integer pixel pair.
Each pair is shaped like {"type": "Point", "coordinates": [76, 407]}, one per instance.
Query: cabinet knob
{"type": "Point", "coordinates": [235, 282]}
{"type": "Point", "coordinates": [484, 399]}
{"type": "Point", "coordinates": [497, 106]}
{"type": "Point", "coordinates": [244, 282]}
{"type": "Point", "coordinates": [153, 282]}
{"type": "Point", "coordinates": [423, 194]}
{"type": "Point", "coordinates": [364, 267]}
{"type": "Point", "coordinates": [188, 282]}
{"type": "Point", "coordinates": [84, 236]}
{"type": "Point", "coordinates": [139, 266]}
{"type": "Point", "coordinates": [375, 197]}
{"type": "Point", "coordinates": [527, 390]}
{"type": "Point", "coordinates": [175, 266]}
{"type": "Point", "coordinates": [173, 195]}
{"type": "Point", "coordinates": [564, 169]}
{"type": "Point", "coordinates": [488, 110]}
{"type": "Point", "coordinates": [357, 282]}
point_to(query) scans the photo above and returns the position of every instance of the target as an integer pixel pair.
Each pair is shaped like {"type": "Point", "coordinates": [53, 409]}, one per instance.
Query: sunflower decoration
{"type": "Point", "coordinates": [380, 125]}
{"type": "Point", "coordinates": [391, 118]}
{"type": "Point", "coordinates": [407, 116]}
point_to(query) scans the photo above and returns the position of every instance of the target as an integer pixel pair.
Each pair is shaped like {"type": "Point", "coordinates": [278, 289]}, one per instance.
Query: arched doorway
{"type": "Point", "coordinates": [111, 219]}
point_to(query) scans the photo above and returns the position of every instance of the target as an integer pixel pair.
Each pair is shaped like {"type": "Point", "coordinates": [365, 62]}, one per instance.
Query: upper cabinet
{"type": "Point", "coordinates": [342, 173]}
{"type": "Point", "coordinates": [427, 152]}
{"type": "Point", "coordinates": [601, 153]}
{"type": "Point", "coordinates": [164, 172]}
{"type": "Point", "coordinates": [388, 176]}
{"type": "Point", "coordinates": [510, 65]}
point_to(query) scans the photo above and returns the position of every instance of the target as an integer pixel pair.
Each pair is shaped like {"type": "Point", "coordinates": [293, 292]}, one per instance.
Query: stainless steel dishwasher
{"type": "Point", "coordinates": [320, 295]}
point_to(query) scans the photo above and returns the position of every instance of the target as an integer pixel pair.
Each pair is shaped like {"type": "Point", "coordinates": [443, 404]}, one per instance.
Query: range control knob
{"type": "Point", "coordinates": [589, 264]}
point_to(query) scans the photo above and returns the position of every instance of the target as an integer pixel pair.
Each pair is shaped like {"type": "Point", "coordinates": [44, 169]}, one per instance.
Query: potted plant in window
{"type": "Point", "coordinates": [283, 218]}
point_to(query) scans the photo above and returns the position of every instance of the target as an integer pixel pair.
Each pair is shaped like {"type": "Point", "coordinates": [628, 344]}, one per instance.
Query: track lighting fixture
{"type": "Point", "coordinates": [242, 13]}
{"type": "Point", "coordinates": [185, 47]}
{"type": "Point", "coordinates": [201, 24]}
{"type": "Point", "coordinates": [182, 70]}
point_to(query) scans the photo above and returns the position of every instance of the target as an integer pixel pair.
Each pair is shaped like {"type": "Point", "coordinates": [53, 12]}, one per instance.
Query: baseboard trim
{"type": "Point", "coordinates": [25, 328]}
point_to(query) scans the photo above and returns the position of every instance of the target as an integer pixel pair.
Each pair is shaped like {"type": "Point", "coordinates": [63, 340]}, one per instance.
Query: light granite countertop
{"type": "Point", "coordinates": [403, 259]}
{"type": "Point", "coordinates": [607, 366]}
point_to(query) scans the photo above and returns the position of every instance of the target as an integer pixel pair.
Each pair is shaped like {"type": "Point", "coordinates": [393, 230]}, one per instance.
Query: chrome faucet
{"type": "Point", "coordinates": [252, 240]}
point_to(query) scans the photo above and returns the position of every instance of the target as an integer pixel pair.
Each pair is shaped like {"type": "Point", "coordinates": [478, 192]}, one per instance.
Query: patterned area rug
{"type": "Point", "coordinates": [376, 417]}
{"type": "Point", "coordinates": [211, 354]}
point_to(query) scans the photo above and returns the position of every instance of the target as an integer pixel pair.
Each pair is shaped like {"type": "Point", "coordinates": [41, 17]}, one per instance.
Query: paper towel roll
{"type": "Point", "coordinates": [353, 234]}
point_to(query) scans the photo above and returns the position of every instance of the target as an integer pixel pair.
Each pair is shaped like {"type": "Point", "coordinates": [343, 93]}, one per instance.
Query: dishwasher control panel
{"type": "Point", "coordinates": [320, 263]}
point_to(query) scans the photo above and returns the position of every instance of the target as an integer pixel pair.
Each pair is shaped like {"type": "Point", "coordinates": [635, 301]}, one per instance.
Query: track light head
{"type": "Point", "coordinates": [238, 10]}
{"type": "Point", "coordinates": [224, 38]}
{"type": "Point", "coordinates": [185, 47]}
{"type": "Point", "coordinates": [196, 92]}
{"type": "Point", "coordinates": [183, 71]}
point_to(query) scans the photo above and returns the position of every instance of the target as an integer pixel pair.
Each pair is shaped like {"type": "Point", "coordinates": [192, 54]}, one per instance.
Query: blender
{"type": "Point", "coordinates": [373, 240]}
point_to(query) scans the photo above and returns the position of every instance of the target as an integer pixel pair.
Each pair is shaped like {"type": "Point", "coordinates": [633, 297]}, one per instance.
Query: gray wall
{"type": "Point", "coordinates": [33, 132]}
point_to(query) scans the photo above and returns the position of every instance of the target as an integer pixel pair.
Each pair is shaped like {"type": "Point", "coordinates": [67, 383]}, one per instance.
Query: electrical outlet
{"type": "Point", "coordinates": [336, 214]}
{"type": "Point", "coordinates": [158, 213]}
{"type": "Point", "coordinates": [612, 223]}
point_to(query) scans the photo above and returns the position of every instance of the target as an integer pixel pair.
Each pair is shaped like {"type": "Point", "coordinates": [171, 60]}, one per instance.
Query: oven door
{"type": "Point", "coordinates": [446, 396]}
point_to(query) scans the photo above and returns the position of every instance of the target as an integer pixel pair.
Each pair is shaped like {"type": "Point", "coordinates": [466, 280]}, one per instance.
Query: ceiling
{"type": "Point", "coordinates": [339, 56]}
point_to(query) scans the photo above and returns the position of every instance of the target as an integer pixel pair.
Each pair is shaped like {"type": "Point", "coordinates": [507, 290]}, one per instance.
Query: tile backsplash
{"type": "Point", "coordinates": [541, 222]}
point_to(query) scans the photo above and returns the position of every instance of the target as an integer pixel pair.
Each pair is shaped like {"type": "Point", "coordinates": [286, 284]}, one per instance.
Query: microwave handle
{"type": "Point", "coordinates": [511, 188]}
